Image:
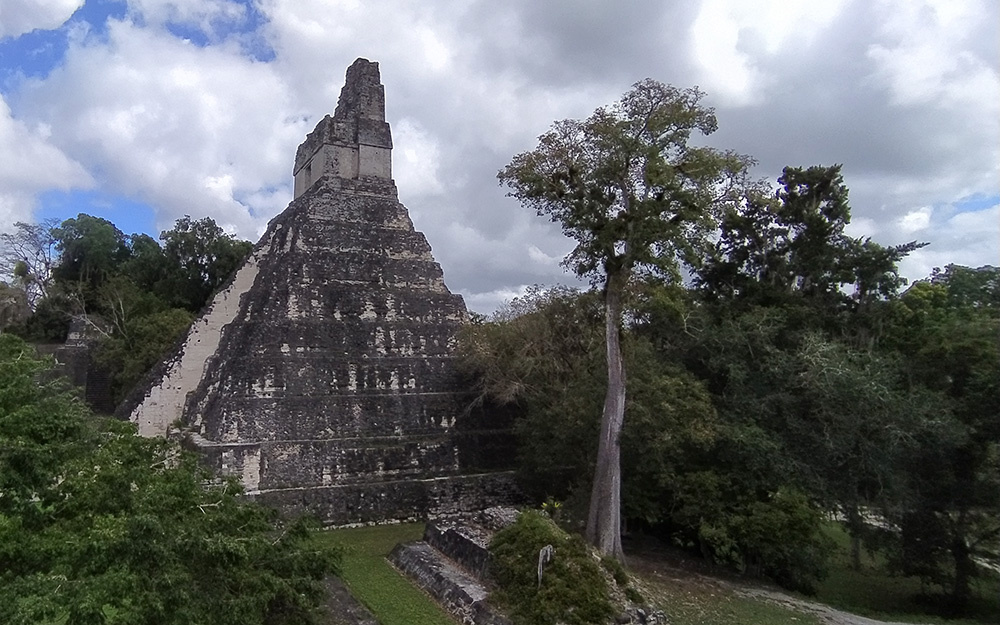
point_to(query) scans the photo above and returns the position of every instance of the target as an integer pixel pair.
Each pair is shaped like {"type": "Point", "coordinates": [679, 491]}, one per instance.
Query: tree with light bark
{"type": "Point", "coordinates": [636, 197]}
{"type": "Point", "coordinates": [27, 257]}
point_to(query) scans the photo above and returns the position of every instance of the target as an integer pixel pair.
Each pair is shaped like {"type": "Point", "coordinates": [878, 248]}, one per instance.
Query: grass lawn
{"type": "Point", "coordinates": [688, 598]}
{"type": "Point", "coordinates": [689, 594]}
{"type": "Point", "coordinates": [873, 592]}
{"type": "Point", "coordinates": [372, 580]}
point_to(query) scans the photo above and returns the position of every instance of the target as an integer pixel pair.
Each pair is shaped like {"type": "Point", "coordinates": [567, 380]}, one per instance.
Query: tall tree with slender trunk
{"type": "Point", "coordinates": [636, 197]}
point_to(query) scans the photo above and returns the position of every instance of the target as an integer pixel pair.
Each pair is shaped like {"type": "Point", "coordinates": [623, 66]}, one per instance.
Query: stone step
{"type": "Point", "coordinates": [342, 608]}
{"type": "Point", "coordinates": [455, 589]}
{"type": "Point", "coordinates": [465, 544]}
{"type": "Point", "coordinates": [404, 499]}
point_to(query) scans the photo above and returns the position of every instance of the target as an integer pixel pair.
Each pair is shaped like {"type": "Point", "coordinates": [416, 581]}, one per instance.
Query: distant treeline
{"type": "Point", "coordinates": [138, 295]}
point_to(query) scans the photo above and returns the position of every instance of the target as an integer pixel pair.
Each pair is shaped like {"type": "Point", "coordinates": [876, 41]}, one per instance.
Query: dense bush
{"type": "Point", "coordinates": [99, 525]}
{"type": "Point", "coordinates": [572, 589]}
{"type": "Point", "coordinates": [780, 538]}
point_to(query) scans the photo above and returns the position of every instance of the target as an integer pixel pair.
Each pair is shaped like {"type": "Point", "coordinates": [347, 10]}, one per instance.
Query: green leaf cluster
{"type": "Point", "coordinates": [572, 589]}
{"type": "Point", "coordinates": [137, 295]}
{"type": "Point", "coordinates": [787, 379]}
{"type": "Point", "coordinates": [98, 525]}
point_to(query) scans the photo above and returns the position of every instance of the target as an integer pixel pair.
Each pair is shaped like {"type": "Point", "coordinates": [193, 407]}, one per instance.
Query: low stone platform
{"type": "Point", "coordinates": [456, 590]}
{"type": "Point", "coordinates": [342, 608]}
{"type": "Point", "coordinates": [467, 545]}
{"type": "Point", "coordinates": [452, 563]}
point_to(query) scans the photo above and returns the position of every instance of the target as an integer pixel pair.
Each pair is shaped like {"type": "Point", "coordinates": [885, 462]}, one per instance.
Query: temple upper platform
{"type": "Point", "coordinates": [353, 143]}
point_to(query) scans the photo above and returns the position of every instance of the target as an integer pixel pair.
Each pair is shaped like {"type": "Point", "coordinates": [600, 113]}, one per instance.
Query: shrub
{"type": "Point", "coordinates": [572, 589]}
{"type": "Point", "coordinates": [780, 538]}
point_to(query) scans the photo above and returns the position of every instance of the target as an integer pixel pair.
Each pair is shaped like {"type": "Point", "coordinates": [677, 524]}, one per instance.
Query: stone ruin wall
{"type": "Point", "coordinates": [322, 376]}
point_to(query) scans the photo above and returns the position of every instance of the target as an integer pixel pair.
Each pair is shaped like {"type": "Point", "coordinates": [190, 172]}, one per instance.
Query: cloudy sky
{"type": "Point", "coordinates": [142, 111]}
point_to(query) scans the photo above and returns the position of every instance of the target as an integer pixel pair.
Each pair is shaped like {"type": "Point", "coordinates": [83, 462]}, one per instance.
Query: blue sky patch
{"type": "Point", "coordinates": [127, 215]}
{"type": "Point", "coordinates": [98, 12]}
{"type": "Point", "coordinates": [32, 55]}
{"type": "Point", "coordinates": [245, 29]}
{"type": "Point", "coordinates": [978, 202]}
{"type": "Point", "coordinates": [35, 54]}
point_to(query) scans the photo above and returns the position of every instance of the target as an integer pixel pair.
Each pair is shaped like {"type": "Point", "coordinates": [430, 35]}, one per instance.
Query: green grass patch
{"type": "Point", "coordinates": [875, 593]}
{"type": "Point", "coordinates": [374, 582]}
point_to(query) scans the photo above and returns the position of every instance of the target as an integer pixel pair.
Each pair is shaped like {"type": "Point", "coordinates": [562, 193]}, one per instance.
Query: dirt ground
{"type": "Point", "coordinates": [664, 564]}
{"type": "Point", "coordinates": [830, 616]}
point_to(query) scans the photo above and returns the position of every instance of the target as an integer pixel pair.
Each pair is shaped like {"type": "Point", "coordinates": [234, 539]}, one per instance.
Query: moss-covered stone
{"type": "Point", "coordinates": [572, 589]}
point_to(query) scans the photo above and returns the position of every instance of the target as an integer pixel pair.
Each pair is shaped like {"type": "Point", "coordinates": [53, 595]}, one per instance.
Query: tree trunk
{"type": "Point", "coordinates": [856, 526]}
{"type": "Point", "coordinates": [604, 517]}
{"type": "Point", "coordinates": [964, 566]}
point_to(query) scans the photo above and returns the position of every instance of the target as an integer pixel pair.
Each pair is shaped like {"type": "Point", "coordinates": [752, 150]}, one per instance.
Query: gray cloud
{"type": "Point", "coordinates": [905, 94]}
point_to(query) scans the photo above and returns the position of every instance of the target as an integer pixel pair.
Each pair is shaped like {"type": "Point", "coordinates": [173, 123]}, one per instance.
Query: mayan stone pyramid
{"type": "Point", "coordinates": [322, 377]}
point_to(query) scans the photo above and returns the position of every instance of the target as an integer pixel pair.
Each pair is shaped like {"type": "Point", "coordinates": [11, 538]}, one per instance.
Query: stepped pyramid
{"type": "Point", "coordinates": [322, 376]}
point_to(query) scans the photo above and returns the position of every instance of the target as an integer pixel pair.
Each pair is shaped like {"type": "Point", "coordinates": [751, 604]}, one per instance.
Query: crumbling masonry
{"type": "Point", "coordinates": [322, 376]}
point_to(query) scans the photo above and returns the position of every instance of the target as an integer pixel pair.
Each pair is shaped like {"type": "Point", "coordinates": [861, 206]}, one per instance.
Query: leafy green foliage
{"type": "Point", "coordinates": [792, 247]}
{"type": "Point", "coordinates": [141, 329]}
{"type": "Point", "coordinates": [49, 323]}
{"type": "Point", "coordinates": [684, 469]}
{"type": "Point", "coordinates": [41, 428]}
{"type": "Point", "coordinates": [139, 296]}
{"type": "Point", "coordinates": [749, 418]}
{"type": "Point", "coordinates": [572, 589]}
{"type": "Point", "coordinates": [947, 329]}
{"type": "Point", "coordinates": [781, 538]}
{"type": "Point", "coordinates": [671, 433]}
{"type": "Point", "coordinates": [201, 256]}
{"type": "Point", "coordinates": [90, 250]}
{"type": "Point", "coordinates": [616, 570]}
{"type": "Point", "coordinates": [98, 525]}
{"type": "Point", "coordinates": [543, 353]}
{"type": "Point", "coordinates": [626, 185]}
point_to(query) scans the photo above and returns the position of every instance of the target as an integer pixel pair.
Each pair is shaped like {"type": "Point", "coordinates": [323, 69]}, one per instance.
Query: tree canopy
{"type": "Point", "coordinates": [627, 186]}
{"type": "Point", "coordinates": [786, 379]}
{"type": "Point", "coordinates": [99, 525]}
{"type": "Point", "coordinates": [137, 295]}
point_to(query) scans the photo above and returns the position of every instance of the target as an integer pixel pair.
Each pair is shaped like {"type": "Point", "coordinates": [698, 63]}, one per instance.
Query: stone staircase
{"type": "Point", "coordinates": [452, 562]}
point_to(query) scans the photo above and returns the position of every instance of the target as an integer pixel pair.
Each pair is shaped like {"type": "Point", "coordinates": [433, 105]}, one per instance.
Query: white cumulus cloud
{"type": "Point", "coordinates": [917, 220]}
{"type": "Point", "coordinates": [31, 165]}
{"type": "Point", "coordinates": [968, 238]}
{"type": "Point", "coordinates": [201, 14]}
{"type": "Point", "coordinates": [190, 130]}
{"type": "Point", "coordinates": [23, 16]}
{"type": "Point", "coordinates": [904, 93]}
